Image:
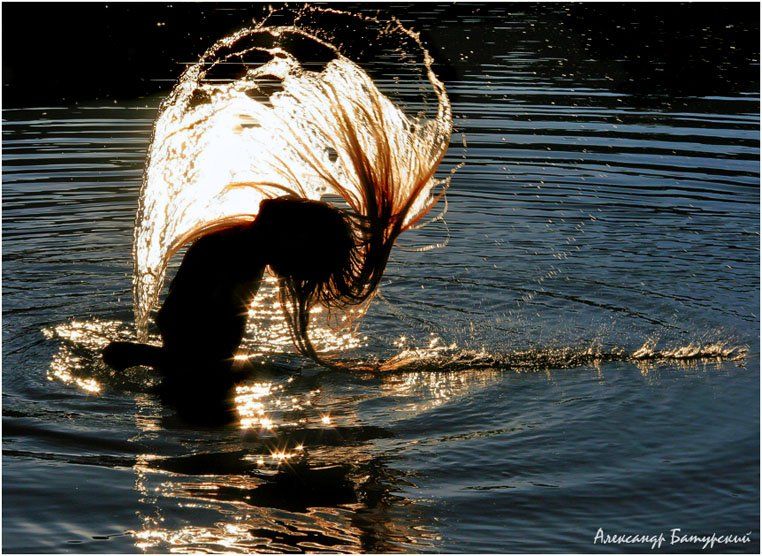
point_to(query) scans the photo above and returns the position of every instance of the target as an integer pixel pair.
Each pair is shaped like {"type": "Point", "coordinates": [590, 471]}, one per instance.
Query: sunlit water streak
{"type": "Point", "coordinates": [586, 230]}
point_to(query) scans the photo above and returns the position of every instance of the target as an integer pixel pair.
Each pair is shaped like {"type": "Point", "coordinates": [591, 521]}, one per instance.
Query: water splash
{"type": "Point", "coordinates": [78, 362]}
{"type": "Point", "coordinates": [442, 357]}
{"type": "Point", "coordinates": [255, 118]}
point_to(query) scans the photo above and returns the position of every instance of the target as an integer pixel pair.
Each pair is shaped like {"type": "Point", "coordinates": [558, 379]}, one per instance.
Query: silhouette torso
{"type": "Point", "coordinates": [204, 315]}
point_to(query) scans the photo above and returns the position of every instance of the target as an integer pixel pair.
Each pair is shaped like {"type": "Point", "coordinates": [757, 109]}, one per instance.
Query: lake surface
{"type": "Point", "coordinates": [583, 352]}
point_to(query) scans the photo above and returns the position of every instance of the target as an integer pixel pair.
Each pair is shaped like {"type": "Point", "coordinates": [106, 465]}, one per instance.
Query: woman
{"type": "Point", "coordinates": [308, 245]}
{"type": "Point", "coordinates": [382, 170]}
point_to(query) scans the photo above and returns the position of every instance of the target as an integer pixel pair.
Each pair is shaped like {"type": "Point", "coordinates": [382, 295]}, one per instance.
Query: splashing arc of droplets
{"type": "Point", "coordinates": [219, 149]}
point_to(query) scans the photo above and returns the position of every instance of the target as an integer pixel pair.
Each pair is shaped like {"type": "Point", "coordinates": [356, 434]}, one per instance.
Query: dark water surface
{"type": "Point", "coordinates": [610, 201]}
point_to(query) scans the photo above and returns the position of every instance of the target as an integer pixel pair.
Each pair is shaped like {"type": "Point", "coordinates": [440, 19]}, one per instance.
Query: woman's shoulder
{"type": "Point", "coordinates": [221, 243]}
{"type": "Point", "coordinates": [226, 235]}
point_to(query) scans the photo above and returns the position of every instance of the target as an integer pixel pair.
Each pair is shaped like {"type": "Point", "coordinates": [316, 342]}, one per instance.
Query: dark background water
{"type": "Point", "coordinates": [610, 198]}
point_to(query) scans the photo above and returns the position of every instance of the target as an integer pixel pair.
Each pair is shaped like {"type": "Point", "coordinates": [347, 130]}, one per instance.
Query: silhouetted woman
{"type": "Point", "coordinates": [320, 254]}
{"type": "Point", "coordinates": [308, 245]}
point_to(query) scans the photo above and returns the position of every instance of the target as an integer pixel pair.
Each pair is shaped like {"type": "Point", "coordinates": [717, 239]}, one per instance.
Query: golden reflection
{"type": "Point", "coordinates": [63, 367]}
{"type": "Point", "coordinates": [309, 478]}
{"type": "Point", "coordinates": [72, 364]}
{"type": "Point", "coordinates": [78, 361]}
{"type": "Point", "coordinates": [427, 390]}
{"type": "Point", "coordinates": [267, 331]}
{"type": "Point", "coordinates": [304, 471]}
{"type": "Point", "coordinates": [251, 409]}
{"type": "Point", "coordinates": [299, 498]}
{"type": "Point", "coordinates": [266, 406]}
{"type": "Point", "coordinates": [244, 513]}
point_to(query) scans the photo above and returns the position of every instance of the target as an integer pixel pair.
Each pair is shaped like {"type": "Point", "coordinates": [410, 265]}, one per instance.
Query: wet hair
{"type": "Point", "coordinates": [385, 189]}
{"type": "Point", "coordinates": [385, 184]}
{"type": "Point", "coordinates": [310, 248]}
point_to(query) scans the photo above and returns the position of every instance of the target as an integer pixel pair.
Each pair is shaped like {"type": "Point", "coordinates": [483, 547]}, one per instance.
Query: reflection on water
{"type": "Point", "coordinates": [267, 332]}
{"type": "Point", "coordinates": [279, 510]}
{"type": "Point", "coordinates": [302, 473]}
{"type": "Point", "coordinates": [347, 506]}
{"type": "Point", "coordinates": [298, 479]}
{"type": "Point", "coordinates": [302, 469]}
{"type": "Point", "coordinates": [78, 359]}
{"type": "Point", "coordinates": [439, 368]}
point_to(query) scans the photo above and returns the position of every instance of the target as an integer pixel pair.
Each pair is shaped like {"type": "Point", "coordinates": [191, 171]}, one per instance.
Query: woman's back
{"type": "Point", "coordinates": [204, 314]}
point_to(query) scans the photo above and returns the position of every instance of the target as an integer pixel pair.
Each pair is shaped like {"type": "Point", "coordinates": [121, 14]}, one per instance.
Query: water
{"type": "Point", "coordinates": [592, 217]}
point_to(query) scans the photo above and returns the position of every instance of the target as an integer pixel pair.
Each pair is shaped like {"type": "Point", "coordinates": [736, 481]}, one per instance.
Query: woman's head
{"type": "Point", "coordinates": [305, 241]}
{"type": "Point", "coordinates": [312, 248]}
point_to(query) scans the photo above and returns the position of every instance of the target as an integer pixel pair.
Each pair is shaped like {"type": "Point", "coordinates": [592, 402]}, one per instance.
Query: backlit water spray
{"type": "Point", "coordinates": [264, 113]}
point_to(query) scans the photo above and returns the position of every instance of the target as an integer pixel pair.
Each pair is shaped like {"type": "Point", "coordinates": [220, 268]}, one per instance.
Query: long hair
{"type": "Point", "coordinates": [384, 186]}
{"type": "Point", "coordinates": [336, 129]}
